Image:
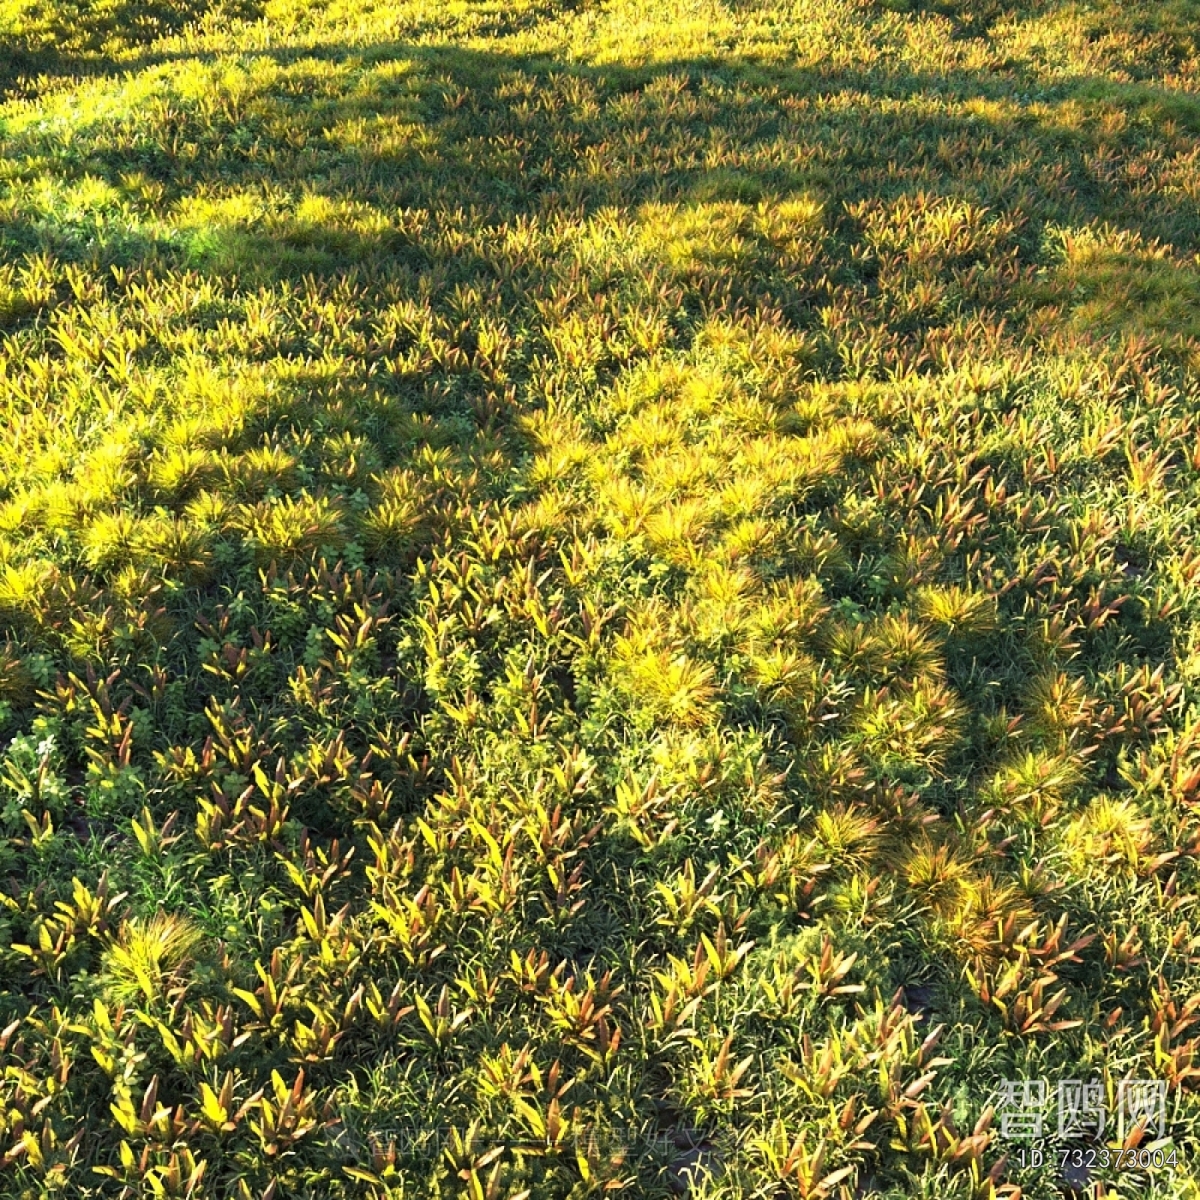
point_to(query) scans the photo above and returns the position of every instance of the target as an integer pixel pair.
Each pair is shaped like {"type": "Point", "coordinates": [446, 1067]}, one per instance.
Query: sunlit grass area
{"type": "Point", "coordinates": [597, 596]}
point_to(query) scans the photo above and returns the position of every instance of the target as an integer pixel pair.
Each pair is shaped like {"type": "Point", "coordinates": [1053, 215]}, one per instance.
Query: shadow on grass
{"type": "Point", "coordinates": [306, 198]}
{"type": "Point", "coordinates": [283, 163]}
{"type": "Point", "coordinates": [68, 38]}
{"type": "Point", "coordinates": [509, 135]}
{"type": "Point", "coordinates": [345, 180]}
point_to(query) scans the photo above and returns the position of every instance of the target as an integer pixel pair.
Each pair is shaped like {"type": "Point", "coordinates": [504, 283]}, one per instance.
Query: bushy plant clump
{"type": "Point", "coordinates": [595, 597]}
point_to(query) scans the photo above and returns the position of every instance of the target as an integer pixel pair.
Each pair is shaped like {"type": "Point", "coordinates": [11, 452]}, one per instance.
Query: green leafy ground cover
{"type": "Point", "coordinates": [596, 595]}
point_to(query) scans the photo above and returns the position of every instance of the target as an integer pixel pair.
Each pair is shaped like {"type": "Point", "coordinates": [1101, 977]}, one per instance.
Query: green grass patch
{"type": "Point", "coordinates": [596, 597]}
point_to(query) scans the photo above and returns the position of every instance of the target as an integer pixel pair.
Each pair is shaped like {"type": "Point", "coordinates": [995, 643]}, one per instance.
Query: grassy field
{"type": "Point", "coordinates": [597, 596]}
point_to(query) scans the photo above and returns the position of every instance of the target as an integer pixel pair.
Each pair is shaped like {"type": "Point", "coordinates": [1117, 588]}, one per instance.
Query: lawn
{"type": "Point", "coordinates": [599, 597]}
